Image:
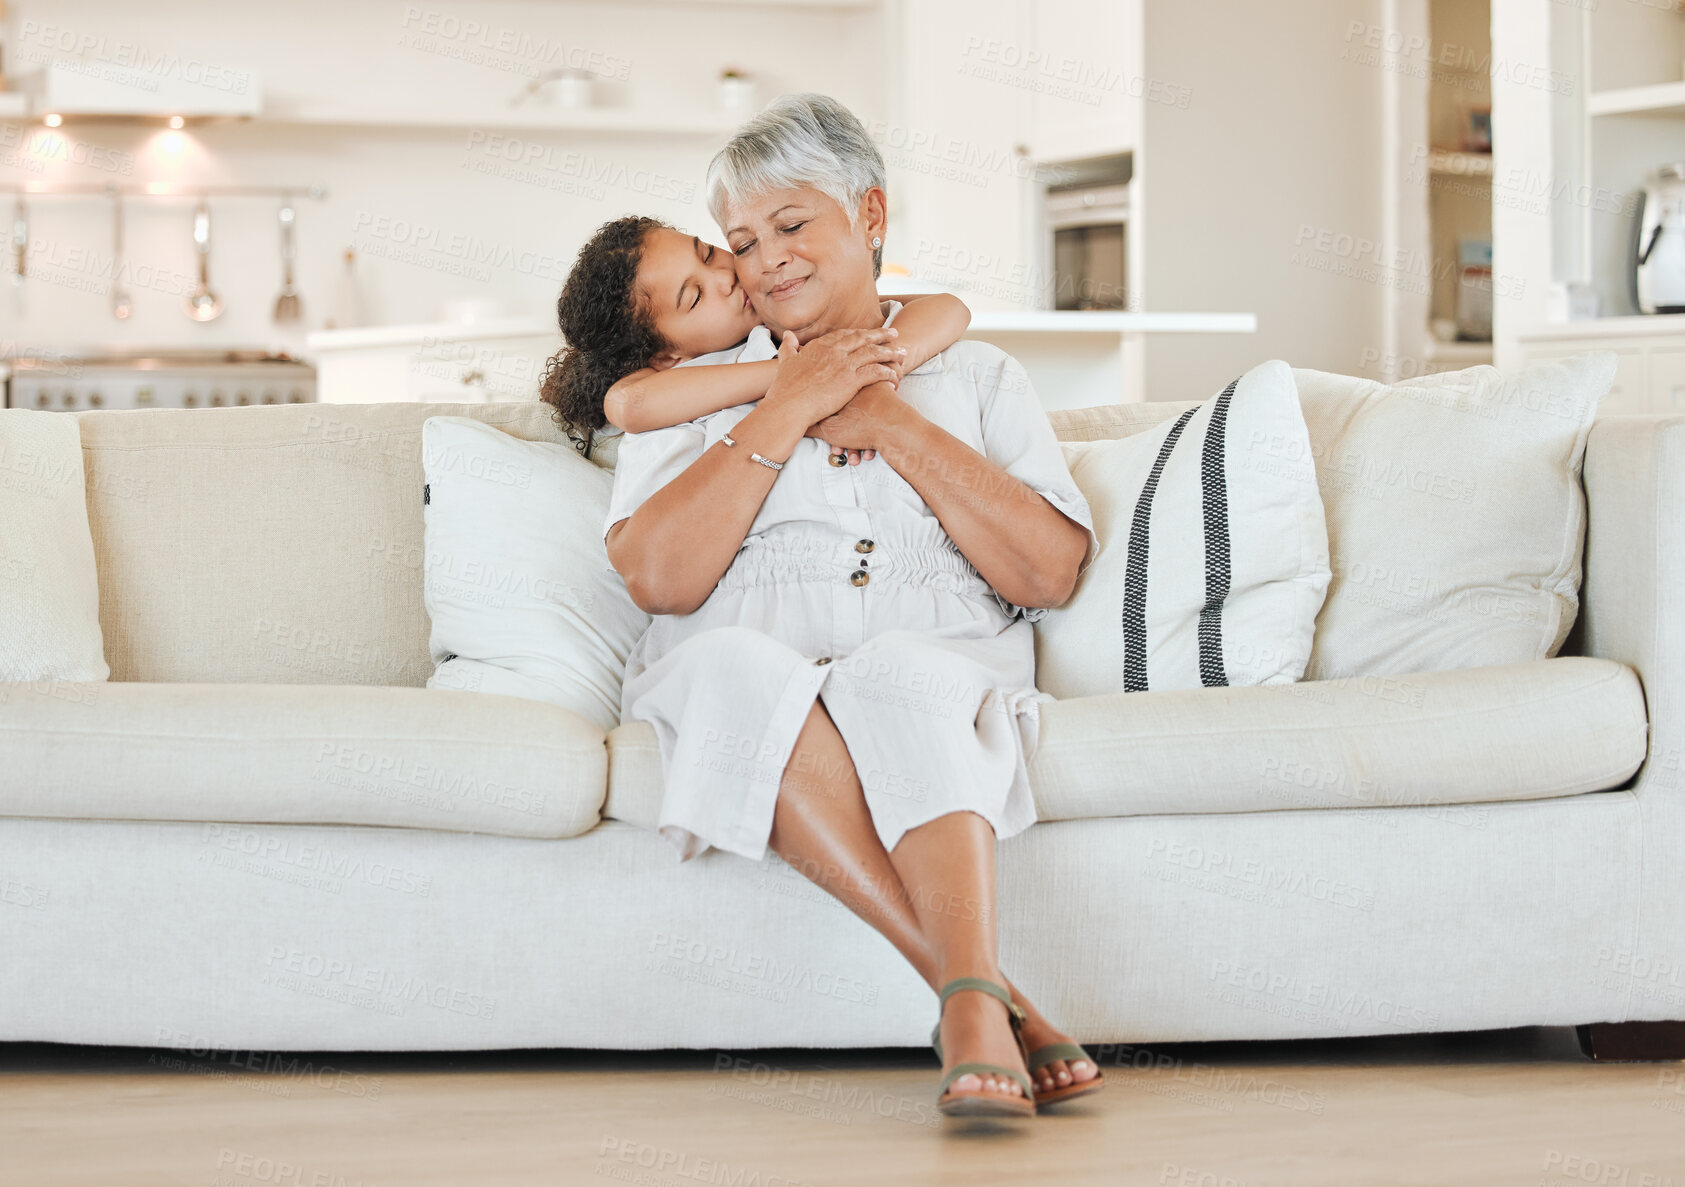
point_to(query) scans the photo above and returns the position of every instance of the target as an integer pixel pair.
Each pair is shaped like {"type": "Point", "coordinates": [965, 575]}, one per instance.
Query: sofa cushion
{"type": "Point", "coordinates": [1554, 727]}
{"type": "Point", "coordinates": [270, 544]}
{"type": "Point", "coordinates": [1474, 735]}
{"type": "Point", "coordinates": [1213, 555]}
{"type": "Point", "coordinates": [1456, 519]}
{"type": "Point", "coordinates": [296, 754]}
{"type": "Point", "coordinates": [49, 585]}
{"type": "Point", "coordinates": [520, 591]}
{"type": "Point", "coordinates": [1103, 422]}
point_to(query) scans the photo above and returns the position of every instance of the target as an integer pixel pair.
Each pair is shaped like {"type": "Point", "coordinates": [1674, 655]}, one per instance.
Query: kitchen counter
{"type": "Point", "coordinates": [1032, 322]}
{"type": "Point", "coordinates": [1638, 326]}
{"type": "Point", "coordinates": [420, 333]}
{"type": "Point", "coordinates": [1075, 359]}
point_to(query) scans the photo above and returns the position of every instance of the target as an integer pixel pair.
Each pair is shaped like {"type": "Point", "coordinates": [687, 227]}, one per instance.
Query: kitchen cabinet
{"type": "Point", "coordinates": [1667, 379]}
{"type": "Point", "coordinates": [1650, 354]}
{"type": "Point", "coordinates": [1090, 83]}
{"type": "Point", "coordinates": [488, 362]}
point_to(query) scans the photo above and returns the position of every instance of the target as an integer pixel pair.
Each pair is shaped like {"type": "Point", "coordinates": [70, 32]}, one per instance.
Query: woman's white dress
{"type": "Point", "coordinates": [848, 588]}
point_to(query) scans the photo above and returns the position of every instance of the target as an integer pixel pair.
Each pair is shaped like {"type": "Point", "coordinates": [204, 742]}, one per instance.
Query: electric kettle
{"type": "Point", "coordinates": [1660, 250]}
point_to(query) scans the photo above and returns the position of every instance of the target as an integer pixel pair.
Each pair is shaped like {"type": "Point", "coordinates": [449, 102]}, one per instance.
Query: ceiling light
{"type": "Point", "coordinates": [53, 119]}
{"type": "Point", "coordinates": [177, 122]}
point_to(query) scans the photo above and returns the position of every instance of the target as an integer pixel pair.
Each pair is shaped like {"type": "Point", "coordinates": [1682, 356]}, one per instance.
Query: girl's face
{"type": "Point", "coordinates": [692, 291]}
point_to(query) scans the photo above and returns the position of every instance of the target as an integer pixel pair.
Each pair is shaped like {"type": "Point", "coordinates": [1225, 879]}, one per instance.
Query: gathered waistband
{"type": "Point", "coordinates": [942, 568]}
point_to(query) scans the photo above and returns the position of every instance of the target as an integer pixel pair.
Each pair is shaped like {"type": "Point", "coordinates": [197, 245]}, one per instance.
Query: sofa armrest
{"type": "Point", "coordinates": [1633, 596]}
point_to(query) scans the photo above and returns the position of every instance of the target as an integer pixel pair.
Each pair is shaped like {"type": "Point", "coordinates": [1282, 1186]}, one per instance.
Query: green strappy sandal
{"type": "Point", "coordinates": [982, 1103]}
{"type": "Point", "coordinates": [1070, 1053]}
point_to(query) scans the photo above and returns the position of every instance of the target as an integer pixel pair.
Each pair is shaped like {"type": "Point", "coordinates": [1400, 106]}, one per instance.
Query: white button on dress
{"type": "Point", "coordinates": [847, 588]}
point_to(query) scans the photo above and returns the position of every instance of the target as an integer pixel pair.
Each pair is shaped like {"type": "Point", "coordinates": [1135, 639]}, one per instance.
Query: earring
{"type": "Point", "coordinates": [876, 242]}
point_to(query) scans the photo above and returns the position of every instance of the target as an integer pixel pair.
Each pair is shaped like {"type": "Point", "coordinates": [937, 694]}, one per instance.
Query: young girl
{"type": "Point", "coordinates": [643, 297]}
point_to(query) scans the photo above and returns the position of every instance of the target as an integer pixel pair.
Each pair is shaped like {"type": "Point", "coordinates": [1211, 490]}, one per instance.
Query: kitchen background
{"type": "Point", "coordinates": [1267, 181]}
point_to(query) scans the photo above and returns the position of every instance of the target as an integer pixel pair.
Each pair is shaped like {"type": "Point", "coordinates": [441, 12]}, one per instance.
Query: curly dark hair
{"type": "Point", "coordinates": [607, 327]}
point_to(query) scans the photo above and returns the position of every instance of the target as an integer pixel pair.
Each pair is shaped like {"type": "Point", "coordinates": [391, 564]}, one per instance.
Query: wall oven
{"type": "Point", "coordinates": [1085, 213]}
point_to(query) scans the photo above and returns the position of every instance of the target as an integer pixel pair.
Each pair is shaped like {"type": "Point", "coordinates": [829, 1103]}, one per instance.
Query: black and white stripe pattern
{"type": "Point", "coordinates": [1214, 488]}
{"type": "Point", "coordinates": [1214, 503]}
{"type": "Point", "coordinates": [1135, 576]}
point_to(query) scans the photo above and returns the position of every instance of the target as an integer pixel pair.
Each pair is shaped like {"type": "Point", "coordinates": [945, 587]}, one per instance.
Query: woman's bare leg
{"type": "Point", "coordinates": [948, 869]}
{"type": "Point", "coordinates": [822, 828]}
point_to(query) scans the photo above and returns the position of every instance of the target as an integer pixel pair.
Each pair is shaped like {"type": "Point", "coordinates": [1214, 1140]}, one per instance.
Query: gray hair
{"type": "Point", "coordinates": [799, 141]}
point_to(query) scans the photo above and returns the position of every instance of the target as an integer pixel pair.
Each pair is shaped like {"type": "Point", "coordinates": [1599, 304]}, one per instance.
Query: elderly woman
{"type": "Point", "coordinates": [841, 665]}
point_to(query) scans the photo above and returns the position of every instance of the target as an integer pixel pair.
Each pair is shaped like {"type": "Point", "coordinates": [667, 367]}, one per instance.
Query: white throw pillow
{"type": "Point", "coordinates": [49, 584]}
{"type": "Point", "coordinates": [1213, 556]}
{"type": "Point", "coordinates": [517, 582]}
{"type": "Point", "coordinates": [1456, 519]}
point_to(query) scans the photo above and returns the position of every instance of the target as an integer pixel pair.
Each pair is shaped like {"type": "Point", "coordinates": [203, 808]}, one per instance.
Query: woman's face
{"type": "Point", "coordinates": [804, 268]}
{"type": "Point", "coordinates": [692, 292]}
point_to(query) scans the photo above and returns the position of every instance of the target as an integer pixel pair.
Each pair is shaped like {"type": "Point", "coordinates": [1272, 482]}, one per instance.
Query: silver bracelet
{"type": "Point", "coordinates": [768, 462]}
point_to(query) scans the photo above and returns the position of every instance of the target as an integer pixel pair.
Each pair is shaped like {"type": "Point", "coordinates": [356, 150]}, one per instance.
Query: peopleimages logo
{"type": "Point", "coordinates": [536, 159]}
{"type": "Point", "coordinates": [1279, 993]}
{"type": "Point", "coordinates": [1418, 56]}
{"type": "Point", "coordinates": [457, 460]}
{"type": "Point", "coordinates": [92, 48]}
{"type": "Point", "coordinates": [314, 966]}
{"type": "Point", "coordinates": [399, 772]}
{"type": "Point", "coordinates": [659, 1160]}
{"type": "Point", "coordinates": [287, 850]}
{"type": "Point", "coordinates": [417, 242]}
{"type": "Point", "coordinates": [505, 42]}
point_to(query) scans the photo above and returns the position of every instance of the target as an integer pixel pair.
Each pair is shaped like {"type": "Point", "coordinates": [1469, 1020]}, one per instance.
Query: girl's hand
{"type": "Point", "coordinates": [854, 456]}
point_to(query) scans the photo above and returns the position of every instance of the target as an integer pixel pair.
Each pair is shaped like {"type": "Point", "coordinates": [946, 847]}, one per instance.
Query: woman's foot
{"type": "Point", "coordinates": [1038, 1033]}
{"type": "Point", "coordinates": [976, 1029]}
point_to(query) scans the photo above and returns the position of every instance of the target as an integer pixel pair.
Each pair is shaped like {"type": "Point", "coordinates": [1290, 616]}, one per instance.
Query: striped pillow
{"type": "Point", "coordinates": [1213, 556]}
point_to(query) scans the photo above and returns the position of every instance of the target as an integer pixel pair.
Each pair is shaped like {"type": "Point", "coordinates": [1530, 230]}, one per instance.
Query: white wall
{"type": "Point", "coordinates": [1256, 126]}
{"type": "Point", "coordinates": [411, 201]}
{"type": "Point", "coordinates": [1263, 193]}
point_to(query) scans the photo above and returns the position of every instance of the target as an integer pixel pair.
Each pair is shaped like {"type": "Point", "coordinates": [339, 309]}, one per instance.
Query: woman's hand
{"type": "Point", "coordinates": [861, 423]}
{"type": "Point", "coordinates": [826, 373]}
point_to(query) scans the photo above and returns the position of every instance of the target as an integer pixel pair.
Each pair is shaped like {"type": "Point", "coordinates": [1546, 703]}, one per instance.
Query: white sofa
{"type": "Point", "coordinates": [263, 832]}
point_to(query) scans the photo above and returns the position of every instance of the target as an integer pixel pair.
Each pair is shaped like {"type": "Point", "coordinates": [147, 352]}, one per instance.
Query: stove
{"type": "Point", "coordinates": [156, 379]}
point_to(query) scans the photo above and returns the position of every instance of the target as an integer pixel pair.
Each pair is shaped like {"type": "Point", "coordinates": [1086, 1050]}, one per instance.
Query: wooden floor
{"type": "Point", "coordinates": [1504, 1107]}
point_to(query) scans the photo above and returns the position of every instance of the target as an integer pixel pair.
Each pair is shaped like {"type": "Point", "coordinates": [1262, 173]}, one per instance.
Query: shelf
{"type": "Point", "coordinates": [1449, 163]}
{"type": "Point", "coordinates": [1666, 98]}
{"type": "Point", "coordinates": [426, 333]}
{"type": "Point", "coordinates": [537, 118]}
{"type": "Point", "coordinates": [1641, 325]}
{"type": "Point", "coordinates": [845, 4]}
{"type": "Point", "coordinates": [1056, 322]}
{"type": "Point", "coordinates": [1463, 354]}
{"type": "Point", "coordinates": [1049, 322]}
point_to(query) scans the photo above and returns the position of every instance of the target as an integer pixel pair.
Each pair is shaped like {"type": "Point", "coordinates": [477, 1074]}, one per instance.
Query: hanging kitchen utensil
{"type": "Point", "coordinates": [288, 307]}
{"type": "Point", "coordinates": [202, 303]}
{"type": "Point", "coordinates": [20, 241]}
{"type": "Point", "coordinates": [122, 304]}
